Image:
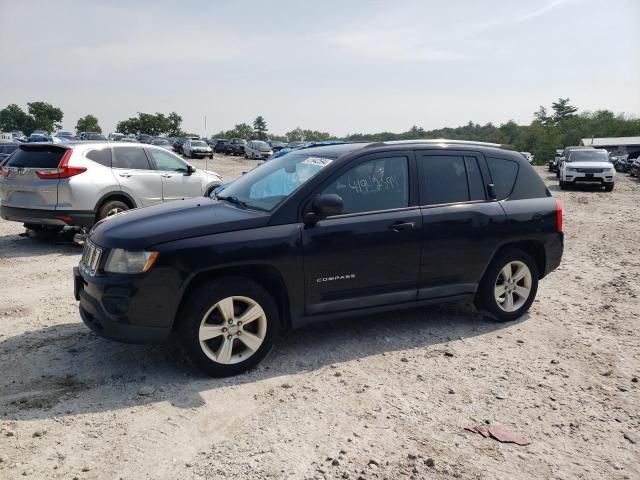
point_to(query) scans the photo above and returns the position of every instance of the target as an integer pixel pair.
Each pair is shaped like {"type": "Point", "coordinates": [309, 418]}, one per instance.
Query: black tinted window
{"type": "Point", "coordinates": [380, 184]}
{"type": "Point", "coordinates": [38, 157]}
{"type": "Point", "coordinates": [476, 184]}
{"type": "Point", "coordinates": [101, 156]}
{"type": "Point", "coordinates": [130, 157]}
{"type": "Point", "coordinates": [444, 179]}
{"type": "Point", "coordinates": [503, 174]}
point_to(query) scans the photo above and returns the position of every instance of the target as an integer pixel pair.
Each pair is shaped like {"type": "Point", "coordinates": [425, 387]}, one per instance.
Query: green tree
{"type": "Point", "coordinates": [562, 110]}
{"type": "Point", "coordinates": [45, 116]}
{"type": "Point", "coordinates": [88, 123]}
{"type": "Point", "coordinates": [260, 128]}
{"type": "Point", "coordinates": [12, 117]}
{"type": "Point", "coordinates": [151, 124]}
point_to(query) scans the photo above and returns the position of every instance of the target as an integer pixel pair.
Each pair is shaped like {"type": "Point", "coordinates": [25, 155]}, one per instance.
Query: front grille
{"type": "Point", "coordinates": [590, 170]}
{"type": "Point", "coordinates": [90, 260]}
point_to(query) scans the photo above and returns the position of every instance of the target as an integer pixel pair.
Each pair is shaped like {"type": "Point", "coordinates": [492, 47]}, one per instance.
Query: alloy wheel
{"type": "Point", "coordinates": [513, 286]}
{"type": "Point", "coordinates": [232, 330]}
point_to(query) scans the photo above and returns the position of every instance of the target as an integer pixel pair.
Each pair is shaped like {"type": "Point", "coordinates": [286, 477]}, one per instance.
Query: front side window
{"type": "Point", "coordinates": [268, 185]}
{"type": "Point", "coordinates": [131, 158]}
{"type": "Point", "coordinates": [380, 184]}
{"type": "Point", "coordinates": [167, 162]}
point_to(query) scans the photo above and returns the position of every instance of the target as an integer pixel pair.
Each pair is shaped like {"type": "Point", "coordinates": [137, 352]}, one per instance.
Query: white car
{"type": "Point", "coordinates": [257, 149]}
{"type": "Point", "coordinates": [196, 149]}
{"type": "Point", "coordinates": [587, 166]}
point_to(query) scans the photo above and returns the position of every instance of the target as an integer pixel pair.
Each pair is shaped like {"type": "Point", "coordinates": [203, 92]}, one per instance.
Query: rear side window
{"type": "Point", "coordinates": [503, 174]}
{"type": "Point", "coordinates": [39, 157]}
{"type": "Point", "coordinates": [130, 157]}
{"type": "Point", "coordinates": [101, 156]}
{"type": "Point", "coordinates": [444, 179]}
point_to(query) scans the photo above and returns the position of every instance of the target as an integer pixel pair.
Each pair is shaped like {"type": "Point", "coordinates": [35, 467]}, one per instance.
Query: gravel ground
{"type": "Point", "coordinates": [381, 397]}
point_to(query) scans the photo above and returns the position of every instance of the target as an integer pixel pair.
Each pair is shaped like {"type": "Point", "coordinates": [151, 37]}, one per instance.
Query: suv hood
{"type": "Point", "coordinates": [143, 227]}
{"type": "Point", "coordinates": [589, 165]}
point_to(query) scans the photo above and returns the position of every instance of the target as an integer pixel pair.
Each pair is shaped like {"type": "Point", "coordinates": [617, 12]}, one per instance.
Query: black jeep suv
{"type": "Point", "coordinates": [319, 233]}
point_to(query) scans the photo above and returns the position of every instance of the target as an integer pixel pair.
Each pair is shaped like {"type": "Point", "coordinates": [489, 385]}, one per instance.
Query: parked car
{"type": "Point", "coordinates": [6, 149]}
{"type": "Point", "coordinates": [323, 232]}
{"type": "Point", "coordinates": [53, 185]}
{"type": "Point", "coordinates": [220, 146]}
{"type": "Point", "coordinates": [276, 146]}
{"type": "Point", "coordinates": [553, 164]}
{"type": "Point", "coordinates": [87, 135]}
{"type": "Point", "coordinates": [162, 143]}
{"type": "Point", "coordinates": [528, 156]}
{"type": "Point", "coordinates": [64, 135]}
{"type": "Point", "coordinates": [257, 149]}
{"type": "Point", "coordinates": [196, 149]}
{"type": "Point", "coordinates": [18, 135]}
{"type": "Point", "coordinates": [128, 140]}
{"type": "Point", "coordinates": [177, 144]}
{"type": "Point", "coordinates": [94, 137]}
{"type": "Point", "coordinates": [565, 152]}
{"type": "Point", "coordinates": [38, 137]}
{"type": "Point", "coordinates": [587, 166]}
{"type": "Point", "coordinates": [235, 146]}
{"type": "Point", "coordinates": [44, 133]}
{"type": "Point", "coordinates": [144, 138]}
{"type": "Point", "coordinates": [634, 169]}
{"type": "Point", "coordinates": [116, 137]}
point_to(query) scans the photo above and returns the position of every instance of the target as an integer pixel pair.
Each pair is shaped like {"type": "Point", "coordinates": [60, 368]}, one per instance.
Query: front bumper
{"type": "Point", "coordinates": [52, 218]}
{"type": "Point", "coordinates": [112, 309]}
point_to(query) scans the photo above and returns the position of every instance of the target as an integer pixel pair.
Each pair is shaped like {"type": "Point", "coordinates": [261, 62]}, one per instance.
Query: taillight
{"type": "Point", "coordinates": [4, 172]}
{"type": "Point", "coordinates": [558, 216]}
{"type": "Point", "coordinates": [63, 170]}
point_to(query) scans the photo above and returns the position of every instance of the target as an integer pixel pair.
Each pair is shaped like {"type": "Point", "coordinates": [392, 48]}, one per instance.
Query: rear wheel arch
{"type": "Point", "coordinates": [117, 196]}
{"type": "Point", "coordinates": [534, 248]}
{"type": "Point", "coordinates": [267, 276]}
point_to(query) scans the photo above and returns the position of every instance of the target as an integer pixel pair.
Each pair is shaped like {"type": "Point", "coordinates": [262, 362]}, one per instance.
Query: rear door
{"type": "Point", "coordinates": [176, 182]}
{"type": "Point", "coordinates": [136, 176]}
{"type": "Point", "coordinates": [461, 226]}
{"type": "Point", "coordinates": [24, 185]}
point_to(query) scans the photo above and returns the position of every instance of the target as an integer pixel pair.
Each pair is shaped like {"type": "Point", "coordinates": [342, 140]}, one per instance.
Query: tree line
{"type": "Point", "coordinates": [555, 127]}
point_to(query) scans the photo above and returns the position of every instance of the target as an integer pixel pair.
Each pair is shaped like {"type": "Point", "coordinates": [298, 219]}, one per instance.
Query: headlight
{"type": "Point", "coordinates": [570, 169]}
{"type": "Point", "coordinates": [123, 261]}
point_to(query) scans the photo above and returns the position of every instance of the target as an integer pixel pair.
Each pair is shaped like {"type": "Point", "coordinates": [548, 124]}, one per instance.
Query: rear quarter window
{"type": "Point", "coordinates": [101, 156]}
{"type": "Point", "coordinates": [503, 175]}
{"type": "Point", "coordinates": [39, 157]}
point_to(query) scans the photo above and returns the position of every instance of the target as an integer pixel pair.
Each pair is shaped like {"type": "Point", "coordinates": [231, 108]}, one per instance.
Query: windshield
{"type": "Point", "coordinates": [161, 142]}
{"type": "Point", "coordinates": [258, 144]}
{"type": "Point", "coordinates": [587, 156]}
{"type": "Point", "coordinates": [198, 144]}
{"type": "Point", "coordinates": [266, 186]}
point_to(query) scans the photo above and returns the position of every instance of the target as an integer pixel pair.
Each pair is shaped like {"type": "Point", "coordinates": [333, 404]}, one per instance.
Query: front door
{"type": "Point", "coordinates": [176, 182]}
{"type": "Point", "coordinates": [136, 176]}
{"type": "Point", "coordinates": [370, 255]}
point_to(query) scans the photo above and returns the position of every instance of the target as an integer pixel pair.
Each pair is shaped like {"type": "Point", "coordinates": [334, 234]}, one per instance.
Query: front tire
{"type": "Point", "coordinates": [563, 185]}
{"type": "Point", "coordinates": [228, 326]}
{"type": "Point", "coordinates": [608, 187]}
{"type": "Point", "coordinates": [509, 286]}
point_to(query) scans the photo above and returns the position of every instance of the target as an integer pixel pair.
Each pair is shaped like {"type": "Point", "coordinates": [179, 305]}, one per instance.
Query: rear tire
{"type": "Point", "coordinates": [112, 207]}
{"type": "Point", "coordinates": [42, 232]}
{"type": "Point", "coordinates": [509, 286]}
{"type": "Point", "coordinates": [563, 185]}
{"type": "Point", "coordinates": [213, 333]}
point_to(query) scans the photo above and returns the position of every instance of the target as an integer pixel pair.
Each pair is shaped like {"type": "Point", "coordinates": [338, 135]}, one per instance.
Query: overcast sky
{"type": "Point", "coordinates": [338, 66]}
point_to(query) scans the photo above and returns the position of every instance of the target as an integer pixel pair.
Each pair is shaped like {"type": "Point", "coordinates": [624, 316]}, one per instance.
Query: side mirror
{"type": "Point", "coordinates": [491, 191]}
{"type": "Point", "coordinates": [324, 206]}
{"type": "Point", "coordinates": [190, 170]}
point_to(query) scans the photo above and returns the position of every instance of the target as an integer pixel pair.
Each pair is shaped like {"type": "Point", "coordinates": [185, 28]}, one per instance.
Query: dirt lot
{"type": "Point", "coordinates": [380, 397]}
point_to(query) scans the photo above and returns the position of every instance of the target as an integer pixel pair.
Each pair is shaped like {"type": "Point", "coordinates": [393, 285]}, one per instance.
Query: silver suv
{"type": "Point", "coordinates": [47, 185]}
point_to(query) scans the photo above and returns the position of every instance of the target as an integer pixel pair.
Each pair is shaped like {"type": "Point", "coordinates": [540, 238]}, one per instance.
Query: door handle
{"type": "Point", "coordinates": [166, 175]}
{"type": "Point", "coordinates": [125, 175]}
{"type": "Point", "coordinates": [401, 226]}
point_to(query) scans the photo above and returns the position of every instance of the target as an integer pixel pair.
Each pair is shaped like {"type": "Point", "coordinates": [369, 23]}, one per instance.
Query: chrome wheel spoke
{"type": "Point", "coordinates": [251, 314]}
{"type": "Point", "coordinates": [500, 290]}
{"type": "Point", "coordinates": [226, 308]}
{"type": "Point", "coordinates": [508, 302]}
{"type": "Point", "coordinates": [251, 341]}
{"type": "Point", "coordinates": [506, 272]}
{"type": "Point", "coordinates": [207, 332]}
{"type": "Point", "coordinates": [521, 272]}
{"type": "Point", "coordinates": [224, 353]}
{"type": "Point", "coordinates": [522, 292]}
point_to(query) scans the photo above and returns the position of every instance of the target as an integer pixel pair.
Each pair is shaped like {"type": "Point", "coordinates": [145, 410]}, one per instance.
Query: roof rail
{"type": "Point", "coordinates": [439, 140]}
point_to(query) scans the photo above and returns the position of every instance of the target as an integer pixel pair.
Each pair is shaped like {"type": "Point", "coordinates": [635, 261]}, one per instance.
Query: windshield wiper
{"type": "Point", "coordinates": [233, 199]}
